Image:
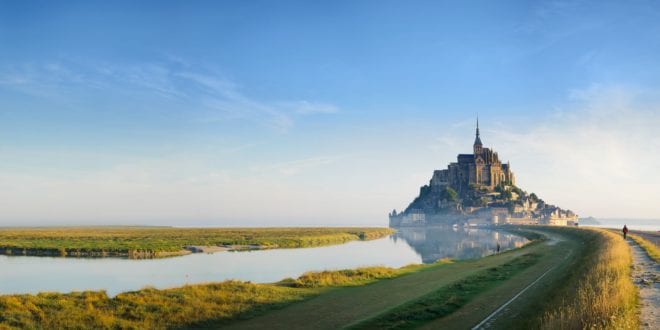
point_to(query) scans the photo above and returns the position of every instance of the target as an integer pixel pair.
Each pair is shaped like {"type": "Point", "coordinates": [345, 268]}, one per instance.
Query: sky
{"type": "Point", "coordinates": [290, 113]}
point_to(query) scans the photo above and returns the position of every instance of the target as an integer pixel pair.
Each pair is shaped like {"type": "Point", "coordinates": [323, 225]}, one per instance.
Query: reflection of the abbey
{"type": "Point", "coordinates": [434, 243]}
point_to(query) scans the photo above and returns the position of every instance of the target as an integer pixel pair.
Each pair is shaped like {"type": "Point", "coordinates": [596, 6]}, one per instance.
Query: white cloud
{"type": "Point", "coordinates": [307, 108]}
{"type": "Point", "coordinates": [294, 167]}
{"type": "Point", "coordinates": [597, 155]}
{"type": "Point", "coordinates": [170, 191]}
{"type": "Point", "coordinates": [210, 96]}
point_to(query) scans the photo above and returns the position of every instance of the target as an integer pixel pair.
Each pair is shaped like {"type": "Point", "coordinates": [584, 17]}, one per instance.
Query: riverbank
{"type": "Point", "coordinates": [189, 306]}
{"type": "Point", "coordinates": [571, 278]}
{"type": "Point", "coordinates": [158, 242]}
{"type": "Point", "coordinates": [192, 305]}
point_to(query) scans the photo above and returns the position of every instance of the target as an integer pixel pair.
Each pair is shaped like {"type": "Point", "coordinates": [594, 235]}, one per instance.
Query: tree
{"type": "Point", "coordinates": [424, 190]}
{"type": "Point", "coordinates": [450, 194]}
{"type": "Point", "coordinates": [518, 191]}
{"type": "Point", "coordinates": [533, 197]}
{"type": "Point", "coordinates": [506, 195]}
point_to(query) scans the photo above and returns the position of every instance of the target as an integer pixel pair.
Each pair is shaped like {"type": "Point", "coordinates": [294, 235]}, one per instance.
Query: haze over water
{"type": "Point", "coordinates": [632, 224]}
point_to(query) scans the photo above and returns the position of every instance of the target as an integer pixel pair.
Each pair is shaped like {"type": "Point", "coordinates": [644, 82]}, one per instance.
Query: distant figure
{"type": "Point", "coordinates": [625, 231]}
{"type": "Point", "coordinates": [498, 247]}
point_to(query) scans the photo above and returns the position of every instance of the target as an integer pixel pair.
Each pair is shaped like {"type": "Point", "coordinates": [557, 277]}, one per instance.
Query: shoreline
{"type": "Point", "coordinates": [131, 254]}
{"type": "Point", "coordinates": [431, 295]}
{"type": "Point", "coordinates": [164, 242]}
{"type": "Point", "coordinates": [284, 292]}
{"type": "Point", "coordinates": [531, 237]}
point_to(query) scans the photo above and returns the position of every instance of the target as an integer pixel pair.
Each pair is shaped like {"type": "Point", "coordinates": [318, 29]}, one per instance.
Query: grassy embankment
{"type": "Point", "coordinates": [592, 289]}
{"type": "Point", "coordinates": [449, 298]}
{"type": "Point", "coordinates": [188, 306]}
{"type": "Point", "coordinates": [650, 248]}
{"type": "Point", "coordinates": [599, 293]}
{"type": "Point", "coordinates": [145, 242]}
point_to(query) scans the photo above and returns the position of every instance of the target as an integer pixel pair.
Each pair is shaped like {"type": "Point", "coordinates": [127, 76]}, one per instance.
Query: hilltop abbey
{"type": "Point", "coordinates": [481, 168]}
{"type": "Point", "coordinates": [478, 189]}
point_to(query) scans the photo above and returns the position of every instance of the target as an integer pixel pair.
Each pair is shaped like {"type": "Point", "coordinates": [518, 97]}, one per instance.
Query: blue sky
{"type": "Point", "coordinates": [285, 112]}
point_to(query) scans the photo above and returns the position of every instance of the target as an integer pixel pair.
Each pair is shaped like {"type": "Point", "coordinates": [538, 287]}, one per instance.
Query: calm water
{"type": "Point", "coordinates": [37, 274]}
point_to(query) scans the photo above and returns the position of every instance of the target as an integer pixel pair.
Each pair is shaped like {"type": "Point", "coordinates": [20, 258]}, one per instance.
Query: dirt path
{"type": "Point", "coordinates": [646, 275]}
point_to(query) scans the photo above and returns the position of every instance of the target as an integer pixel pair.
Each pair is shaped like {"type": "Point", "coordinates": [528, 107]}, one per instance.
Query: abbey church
{"type": "Point", "coordinates": [478, 189]}
{"type": "Point", "coordinates": [482, 168]}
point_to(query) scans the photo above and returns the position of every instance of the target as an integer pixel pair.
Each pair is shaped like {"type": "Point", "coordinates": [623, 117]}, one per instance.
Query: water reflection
{"type": "Point", "coordinates": [22, 274]}
{"type": "Point", "coordinates": [457, 243]}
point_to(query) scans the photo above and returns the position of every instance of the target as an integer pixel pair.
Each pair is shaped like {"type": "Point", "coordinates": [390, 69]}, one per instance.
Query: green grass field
{"type": "Point", "coordinates": [160, 241]}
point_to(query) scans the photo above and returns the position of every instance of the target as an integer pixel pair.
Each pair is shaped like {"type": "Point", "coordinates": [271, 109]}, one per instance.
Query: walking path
{"type": "Point", "coordinates": [646, 275]}
{"type": "Point", "coordinates": [502, 307]}
{"type": "Point", "coordinates": [344, 307]}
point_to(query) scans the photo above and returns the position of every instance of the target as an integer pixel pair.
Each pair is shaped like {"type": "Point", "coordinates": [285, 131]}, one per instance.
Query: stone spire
{"type": "Point", "coordinates": [477, 140]}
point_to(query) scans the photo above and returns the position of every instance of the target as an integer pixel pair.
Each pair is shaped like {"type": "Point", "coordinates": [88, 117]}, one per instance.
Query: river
{"type": "Point", "coordinates": [26, 274]}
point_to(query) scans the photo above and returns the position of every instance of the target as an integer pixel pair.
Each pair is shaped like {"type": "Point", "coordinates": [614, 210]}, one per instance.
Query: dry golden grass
{"type": "Point", "coordinates": [650, 248]}
{"type": "Point", "coordinates": [144, 309]}
{"type": "Point", "coordinates": [188, 306]}
{"type": "Point", "coordinates": [606, 297]}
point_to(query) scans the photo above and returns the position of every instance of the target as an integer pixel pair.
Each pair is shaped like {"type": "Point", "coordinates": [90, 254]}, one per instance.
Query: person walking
{"type": "Point", "coordinates": [625, 231]}
{"type": "Point", "coordinates": [498, 247]}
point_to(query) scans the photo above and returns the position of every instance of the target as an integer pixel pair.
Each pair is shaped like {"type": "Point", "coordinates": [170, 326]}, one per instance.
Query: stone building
{"type": "Point", "coordinates": [483, 192]}
{"type": "Point", "coordinates": [482, 168]}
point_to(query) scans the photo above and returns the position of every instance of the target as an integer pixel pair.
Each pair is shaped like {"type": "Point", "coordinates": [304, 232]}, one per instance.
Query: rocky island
{"type": "Point", "coordinates": [478, 189]}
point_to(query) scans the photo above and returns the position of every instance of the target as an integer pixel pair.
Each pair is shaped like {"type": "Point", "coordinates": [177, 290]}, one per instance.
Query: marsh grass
{"type": "Point", "coordinates": [189, 306]}
{"type": "Point", "coordinates": [159, 241]}
{"type": "Point", "coordinates": [343, 277]}
{"type": "Point", "coordinates": [144, 309]}
{"type": "Point", "coordinates": [604, 296]}
{"type": "Point", "coordinates": [352, 277]}
{"type": "Point", "coordinates": [650, 248]}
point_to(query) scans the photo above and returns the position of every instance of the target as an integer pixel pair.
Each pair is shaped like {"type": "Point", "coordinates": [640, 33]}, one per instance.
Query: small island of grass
{"type": "Point", "coordinates": [151, 242]}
